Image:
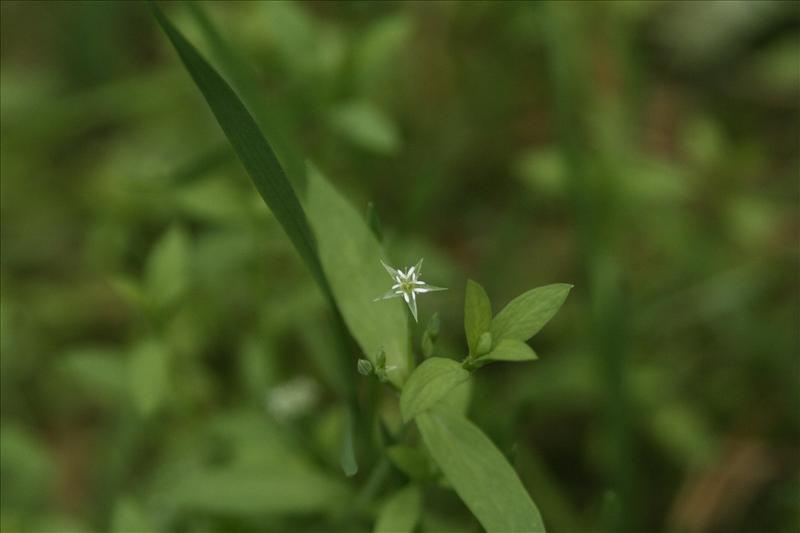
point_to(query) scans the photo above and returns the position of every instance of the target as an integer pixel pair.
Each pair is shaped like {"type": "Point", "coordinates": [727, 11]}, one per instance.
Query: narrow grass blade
{"type": "Point", "coordinates": [250, 146]}
{"type": "Point", "coordinates": [245, 81]}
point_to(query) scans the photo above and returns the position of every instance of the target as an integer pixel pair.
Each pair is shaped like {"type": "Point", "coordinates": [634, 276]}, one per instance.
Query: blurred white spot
{"type": "Point", "coordinates": [292, 399]}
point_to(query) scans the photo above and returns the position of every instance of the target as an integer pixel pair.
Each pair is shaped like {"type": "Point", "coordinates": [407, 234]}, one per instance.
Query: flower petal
{"type": "Point", "coordinates": [392, 272]}
{"type": "Point", "coordinates": [387, 296]}
{"type": "Point", "coordinates": [413, 306]}
{"type": "Point", "coordinates": [418, 267]}
{"type": "Point", "coordinates": [422, 289]}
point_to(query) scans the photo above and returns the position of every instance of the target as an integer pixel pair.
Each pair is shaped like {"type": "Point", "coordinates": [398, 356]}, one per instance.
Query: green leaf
{"type": "Point", "coordinates": [458, 398]}
{"type": "Point", "coordinates": [400, 512]}
{"type": "Point", "coordinates": [263, 471]}
{"type": "Point", "coordinates": [351, 255]}
{"type": "Point", "coordinates": [526, 314]}
{"type": "Point", "coordinates": [479, 473]}
{"type": "Point", "coordinates": [128, 517]}
{"type": "Point", "coordinates": [510, 350]}
{"type": "Point", "coordinates": [411, 461]}
{"type": "Point", "coordinates": [98, 371]}
{"type": "Point", "coordinates": [367, 126]}
{"type": "Point", "coordinates": [247, 84]}
{"type": "Point", "coordinates": [428, 384]}
{"type": "Point", "coordinates": [148, 375]}
{"type": "Point", "coordinates": [250, 146]}
{"type": "Point", "coordinates": [378, 52]}
{"type": "Point", "coordinates": [167, 267]}
{"type": "Point", "coordinates": [347, 454]}
{"type": "Point", "coordinates": [243, 491]}
{"type": "Point", "coordinates": [485, 343]}
{"type": "Point", "coordinates": [477, 313]}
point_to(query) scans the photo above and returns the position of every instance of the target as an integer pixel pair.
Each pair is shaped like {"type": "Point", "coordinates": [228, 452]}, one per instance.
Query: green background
{"type": "Point", "coordinates": [165, 359]}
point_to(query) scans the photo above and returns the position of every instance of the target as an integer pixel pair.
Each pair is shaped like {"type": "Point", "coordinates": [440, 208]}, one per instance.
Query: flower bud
{"type": "Point", "coordinates": [364, 367]}
{"type": "Point", "coordinates": [434, 325]}
{"type": "Point", "coordinates": [427, 344]}
{"type": "Point", "coordinates": [484, 344]}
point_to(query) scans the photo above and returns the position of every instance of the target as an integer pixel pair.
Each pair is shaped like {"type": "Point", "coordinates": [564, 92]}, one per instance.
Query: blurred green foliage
{"type": "Point", "coordinates": [165, 358]}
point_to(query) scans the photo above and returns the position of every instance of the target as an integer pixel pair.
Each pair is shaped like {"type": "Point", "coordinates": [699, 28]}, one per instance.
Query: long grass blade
{"type": "Point", "coordinates": [250, 145]}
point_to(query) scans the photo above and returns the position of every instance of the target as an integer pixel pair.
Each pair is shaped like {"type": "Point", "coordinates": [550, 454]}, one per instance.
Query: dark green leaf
{"type": "Point", "coordinates": [526, 314]}
{"type": "Point", "coordinates": [347, 456]}
{"type": "Point", "coordinates": [479, 473]}
{"type": "Point", "coordinates": [250, 146]}
{"type": "Point", "coordinates": [428, 384]}
{"type": "Point", "coordinates": [374, 222]}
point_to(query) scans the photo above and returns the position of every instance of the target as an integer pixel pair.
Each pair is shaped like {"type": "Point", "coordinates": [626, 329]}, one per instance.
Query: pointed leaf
{"type": "Point", "coordinates": [510, 350]}
{"type": "Point", "coordinates": [477, 313]}
{"type": "Point", "coordinates": [250, 146]}
{"type": "Point", "coordinates": [428, 384]}
{"type": "Point", "coordinates": [366, 126]}
{"type": "Point", "coordinates": [148, 375]}
{"type": "Point", "coordinates": [526, 314]}
{"type": "Point", "coordinates": [479, 473]}
{"type": "Point", "coordinates": [167, 267]}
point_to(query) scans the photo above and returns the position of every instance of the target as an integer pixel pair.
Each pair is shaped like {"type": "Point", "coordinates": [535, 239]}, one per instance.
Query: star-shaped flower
{"type": "Point", "coordinates": [408, 286]}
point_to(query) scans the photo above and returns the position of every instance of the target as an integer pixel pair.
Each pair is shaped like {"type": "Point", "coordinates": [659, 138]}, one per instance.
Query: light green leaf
{"type": "Point", "coordinates": [477, 313]}
{"type": "Point", "coordinates": [148, 375]}
{"type": "Point", "coordinates": [458, 398]}
{"type": "Point", "coordinates": [543, 170]}
{"type": "Point", "coordinates": [430, 383]}
{"type": "Point", "coordinates": [243, 491]}
{"type": "Point", "coordinates": [376, 56]}
{"type": "Point", "coordinates": [400, 512]}
{"type": "Point", "coordinates": [28, 465]}
{"type": "Point", "coordinates": [526, 314]}
{"type": "Point", "coordinates": [367, 126]}
{"type": "Point", "coordinates": [510, 350]}
{"type": "Point", "coordinates": [128, 517]}
{"type": "Point", "coordinates": [479, 473]}
{"type": "Point", "coordinates": [167, 267]}
{"type": "Point", "coordinates": [351, 255]}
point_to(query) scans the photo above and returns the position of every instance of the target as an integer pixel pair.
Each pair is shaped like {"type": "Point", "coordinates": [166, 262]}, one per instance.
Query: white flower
{"type": "Point", "coordinates": [408, 286]}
